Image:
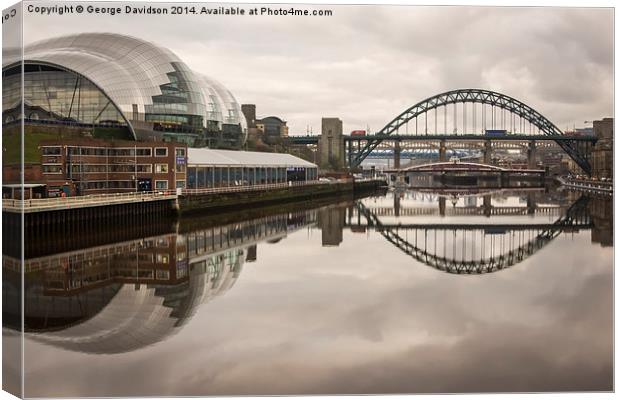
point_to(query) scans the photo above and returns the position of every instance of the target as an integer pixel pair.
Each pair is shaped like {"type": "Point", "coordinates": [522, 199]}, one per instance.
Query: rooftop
{"type": "Point", "coordinates": [244, 158]}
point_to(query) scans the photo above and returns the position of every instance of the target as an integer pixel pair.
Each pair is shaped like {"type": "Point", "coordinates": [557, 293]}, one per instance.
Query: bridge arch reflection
{"type": "Point", "coordinates": [474, 249]}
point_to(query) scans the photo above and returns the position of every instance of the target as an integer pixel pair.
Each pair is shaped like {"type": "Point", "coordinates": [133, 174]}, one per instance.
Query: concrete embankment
{"type": "Point", "coordinates": [58, 216]}
{"type": "Point", "coordinates": [196, 203]}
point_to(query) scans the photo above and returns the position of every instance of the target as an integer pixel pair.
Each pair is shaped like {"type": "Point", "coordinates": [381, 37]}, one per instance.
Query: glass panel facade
{"type": "Point", "coordinates": [205, 177]}
{"type": "Point", "coordinates": [51, 94]}
{"type": "Point", "coordinates": [146, 83]}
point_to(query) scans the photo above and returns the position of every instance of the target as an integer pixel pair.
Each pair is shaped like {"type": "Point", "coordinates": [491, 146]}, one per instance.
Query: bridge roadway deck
{"type": "Point", "coordinates": [313, 139]}
{"type": "Point", "coordinates": [460, 211]}
{"type": "Point", "coordinates": [495, 228]}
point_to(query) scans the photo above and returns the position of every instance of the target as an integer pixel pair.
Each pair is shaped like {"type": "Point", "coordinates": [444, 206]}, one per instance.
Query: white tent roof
{"type": "Point", "coordinates": [243, 158]}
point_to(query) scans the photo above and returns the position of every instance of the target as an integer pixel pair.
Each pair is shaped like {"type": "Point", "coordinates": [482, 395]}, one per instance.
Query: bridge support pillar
{"type": "Point", "coordinates": [397, 203]}
{"type": "Point", "coordinates": [486, 204]}
{"type": "Point", "coordinates": [442, 206]}
{"type": "Point", "coordinates": [531, 204]}
{"type": "Point", "coordinates": [531, 154]}
{"type": "Point", "coordinates": [397, 154]}
{"type": "Point", "coordinates": [442, 151]}
{"type": "Point", "coordinates": [488, 152]}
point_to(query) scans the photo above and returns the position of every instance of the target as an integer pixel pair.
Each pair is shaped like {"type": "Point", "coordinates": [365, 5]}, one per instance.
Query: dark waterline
{"type": "Point", "coordinates": [404, 293]}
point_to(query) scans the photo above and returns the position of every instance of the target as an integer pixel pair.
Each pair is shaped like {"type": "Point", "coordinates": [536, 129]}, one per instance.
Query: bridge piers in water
{"type": "Point", "coordinates": [442, 206]}
{"type": "Point", "coordinates": [396, 154]}
{"type": "Point", "coordinates": [486, 205]}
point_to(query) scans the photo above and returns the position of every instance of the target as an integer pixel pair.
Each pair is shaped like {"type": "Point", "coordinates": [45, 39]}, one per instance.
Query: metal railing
{"type": "Point", "coordinates": [249, 188]}
{"type": "Point", "coordinates": [88, 200]}
{"type": "Point", "coordinates": [132, 197]}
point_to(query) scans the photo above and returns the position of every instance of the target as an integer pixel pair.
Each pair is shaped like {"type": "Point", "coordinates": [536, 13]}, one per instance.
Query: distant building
{"type": "Point", "coordinates": [331, 143]}
{"type": "Point", "coordinates": [269, 128]}
{"type": "Point", "coordinates": [249, 112]}
{"type": "Point", "coordinates": [602, 155]}
{"type": "Point", "coordinates": [272, 127]}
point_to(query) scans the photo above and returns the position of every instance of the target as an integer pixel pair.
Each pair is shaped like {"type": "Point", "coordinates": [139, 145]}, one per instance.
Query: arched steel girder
{"type": "Point", "coordinates": [483, 266]}
{"type": "Point", "coordinates": [480, 96]}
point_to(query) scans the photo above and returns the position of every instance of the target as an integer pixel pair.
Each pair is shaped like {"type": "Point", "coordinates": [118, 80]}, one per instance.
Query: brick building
{"type": "Point", "coordinates": [85, 166]}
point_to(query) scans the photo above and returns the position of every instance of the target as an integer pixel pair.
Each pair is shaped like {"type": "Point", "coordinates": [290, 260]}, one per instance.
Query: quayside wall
{"type": "Point", "coordinates": [197, 203]}
{"type": "Point", "coordinates": [70, 215]}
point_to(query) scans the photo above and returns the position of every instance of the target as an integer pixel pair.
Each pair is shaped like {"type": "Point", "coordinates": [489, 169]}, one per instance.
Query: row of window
{"type": "Point", "coordinates": [77, 169]}
{"type": "Point", "coordinates": [205, 177]}
{"type": "Point", "coordinates": [98, 185]}
{"type": "Point", "coordinates": [102, 151]}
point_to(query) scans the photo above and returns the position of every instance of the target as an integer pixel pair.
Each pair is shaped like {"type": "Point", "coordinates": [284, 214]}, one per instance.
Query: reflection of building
{"type": "Point", "coordinates": [143, 314]}
{"type": "Point", "coordinates": [601, 210]}
{"type": "Point", "coordinates": [603, 152]}
{"type": "Point", "coordinates": [331, 221]}
{"type": "Point", "coordinates": [251, 254]}
{"type": "Point", "coordinates": [123, 296]}
{"type": "Point", "coordinates": [470, 201]}
{"type": "Point", "coordinates": [114, 86]}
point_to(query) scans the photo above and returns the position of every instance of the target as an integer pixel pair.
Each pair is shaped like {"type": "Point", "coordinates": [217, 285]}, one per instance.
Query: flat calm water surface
{"type": "Point", "coordinates": [407, 292]}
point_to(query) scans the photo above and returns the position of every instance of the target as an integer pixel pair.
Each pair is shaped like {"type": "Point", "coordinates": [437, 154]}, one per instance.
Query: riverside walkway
{"type": "Point", "coordinates": [97, 200]}
{"type": "Point", "coordinates": [118, 199]}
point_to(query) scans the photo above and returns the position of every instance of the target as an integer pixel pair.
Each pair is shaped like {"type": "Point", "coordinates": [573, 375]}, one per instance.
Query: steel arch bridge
{"type": "Point", "coordinates": [476, 96]}
{"type": "Point", "coordinates": [575, 215]}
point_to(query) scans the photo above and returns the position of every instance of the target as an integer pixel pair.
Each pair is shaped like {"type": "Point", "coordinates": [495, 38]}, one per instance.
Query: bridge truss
{"type": "Point", "coordinates": [577, 150]}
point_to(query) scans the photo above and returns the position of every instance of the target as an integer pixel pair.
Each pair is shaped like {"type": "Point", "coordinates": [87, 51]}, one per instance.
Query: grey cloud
{"type": "Point", "coordinates": [366, 64]}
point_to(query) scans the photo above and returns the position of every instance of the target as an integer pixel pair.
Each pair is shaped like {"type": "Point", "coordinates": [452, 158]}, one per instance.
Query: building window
{"type": "Point", "coordinates": [52, 169]}
{"type": "Point", "coordinates": [148, 168]}
{"type": "Point", "coordinates": [180, 184]}
{"type": "Point", "coordinates": [143, 152]}
{"type": "Point", "coordinates": [161, 168]}
{"type": "Point", "coordinates": [180, 152]}
{"type": "Point", "coordinates": [161, 151]}
{"type": "Point", "coordinates": [162, 258]}
{"type": "Point", "coordinates": [181, 168]}
{"type": "Point", "coordinates": [163, 275]}
{"type": "Point", "coordinates": [51, 151]}
{"type": "Point", "coordinates": [161, 184]}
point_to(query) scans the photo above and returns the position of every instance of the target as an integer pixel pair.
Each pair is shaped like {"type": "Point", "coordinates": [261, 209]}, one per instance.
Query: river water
{"type": "Point", "coordinates": [404, 292]}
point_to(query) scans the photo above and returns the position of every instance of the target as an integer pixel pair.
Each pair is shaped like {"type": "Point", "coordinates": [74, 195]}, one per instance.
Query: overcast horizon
{"type": "Point", "coordinates": [366, 64]}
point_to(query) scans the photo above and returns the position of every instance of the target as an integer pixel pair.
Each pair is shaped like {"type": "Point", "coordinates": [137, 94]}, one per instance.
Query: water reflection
{"type": "Point", "coordinates": [481, 247]}
{"type": "Point", "coordinates": [357, 278]}
{"type": "Point", "coordinates": [124, 296]}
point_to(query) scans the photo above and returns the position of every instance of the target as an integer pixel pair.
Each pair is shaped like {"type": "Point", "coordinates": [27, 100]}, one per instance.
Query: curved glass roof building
{"type": "Point", "coordinates": [117, 81]}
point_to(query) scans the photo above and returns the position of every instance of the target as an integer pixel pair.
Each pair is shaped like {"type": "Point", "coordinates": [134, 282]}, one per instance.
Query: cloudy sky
{"type": "Point", "coordinates": [366, 64]}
